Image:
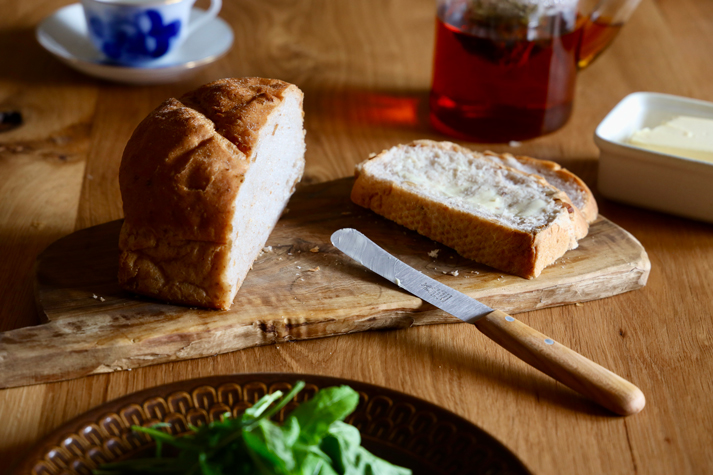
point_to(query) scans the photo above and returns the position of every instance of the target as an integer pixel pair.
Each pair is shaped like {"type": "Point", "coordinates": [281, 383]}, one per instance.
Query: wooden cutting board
{"type": "Point", "coordinates": [301, 288]}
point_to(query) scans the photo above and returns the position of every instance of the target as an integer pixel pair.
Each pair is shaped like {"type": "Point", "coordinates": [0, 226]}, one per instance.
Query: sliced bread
{"type": "Point", "coordinates": [494, 214]}
{"type": "Point", "coordinates": [577, 191]}
{"type": "Point", "coordinates": [204, 179]}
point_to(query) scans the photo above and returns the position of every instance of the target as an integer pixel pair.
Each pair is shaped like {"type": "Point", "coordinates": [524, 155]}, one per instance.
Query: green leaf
{"type": "Point", "coordinates": [315, 465]}
{"type": "Point", "coordinates": [270, 443]}
{"type": "Point", "coordinates": [291, 431]}
{"type": "Point", "coordinates": [369, 464]}
{"type": "Point", "coordinates": [307, 456]}
{"type": "Point", "coordinates": [343, 445]}
{"type": "Point", "coordinates": [327, 406]}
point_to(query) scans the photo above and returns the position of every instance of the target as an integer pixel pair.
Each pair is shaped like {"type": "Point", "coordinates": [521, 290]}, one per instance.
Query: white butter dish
{"type": "Point", "coordinates": [653, 180]}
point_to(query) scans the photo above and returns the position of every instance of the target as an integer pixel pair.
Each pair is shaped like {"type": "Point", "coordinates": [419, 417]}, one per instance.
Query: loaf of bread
{"type": "Point", "coordinates": [204, 179]}
{"type": "Point", "coordinates": [489, 212]}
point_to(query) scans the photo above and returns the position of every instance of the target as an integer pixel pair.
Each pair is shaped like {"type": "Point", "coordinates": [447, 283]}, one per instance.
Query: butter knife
{"type": "Point", "coordinates": [552, 358]}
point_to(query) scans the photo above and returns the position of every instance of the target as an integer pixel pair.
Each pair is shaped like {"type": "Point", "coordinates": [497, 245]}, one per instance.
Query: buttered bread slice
{"type": "Point", "coordinates": [494, 214]}
{"type": "Point", "coordinates": [577, 191]}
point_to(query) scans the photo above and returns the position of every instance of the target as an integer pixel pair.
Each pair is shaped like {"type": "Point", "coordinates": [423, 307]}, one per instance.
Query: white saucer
{"type": "Point", "coordinates": [64, 34]}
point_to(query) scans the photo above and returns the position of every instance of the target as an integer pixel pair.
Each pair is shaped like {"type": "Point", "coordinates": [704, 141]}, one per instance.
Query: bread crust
{"type": "Point", "coordinates": [180, 174]}
{"type": "Point", "coordinates": [487, 241]}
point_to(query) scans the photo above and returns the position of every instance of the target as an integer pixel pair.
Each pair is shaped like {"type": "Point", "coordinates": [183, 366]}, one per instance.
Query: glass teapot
{"type": "Point", "coordinates": [505, 69]}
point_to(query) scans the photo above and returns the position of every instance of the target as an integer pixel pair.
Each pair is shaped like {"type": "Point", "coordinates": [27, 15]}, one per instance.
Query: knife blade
{"type": "Point", "coordinates": [360, 248]}
{"type": "Point", "coordinates": [550, 357]}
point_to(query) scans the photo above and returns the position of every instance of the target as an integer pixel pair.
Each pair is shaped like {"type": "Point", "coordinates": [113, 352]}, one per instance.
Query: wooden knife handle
{"type": "Point", "coordinates": [565, 365]}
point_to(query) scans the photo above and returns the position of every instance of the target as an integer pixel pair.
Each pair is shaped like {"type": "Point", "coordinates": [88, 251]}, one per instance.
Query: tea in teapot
{"type": "Point", "coordinates": [505, 69]}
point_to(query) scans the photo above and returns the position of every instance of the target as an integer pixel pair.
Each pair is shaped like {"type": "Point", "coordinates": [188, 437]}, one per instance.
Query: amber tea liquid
{"type": "Point", "coordinates": [489, 89]}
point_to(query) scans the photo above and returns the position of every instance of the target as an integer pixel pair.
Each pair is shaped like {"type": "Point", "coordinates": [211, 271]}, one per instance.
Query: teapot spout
{"type": "Point", "coordinates": [601, 27]}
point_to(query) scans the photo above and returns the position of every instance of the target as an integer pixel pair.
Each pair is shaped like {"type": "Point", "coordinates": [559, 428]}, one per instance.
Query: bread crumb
{"type": "Point", "coordinates": [514, 143]}
{"type": "Point", "coordinates": [434, 253]}
{"type": "Point", "coordinates": [94, 296]}
{"type": "Point", "coordinates": [314, 270]}
{"type": "Point", "coordinates": [267, 249]}
{"type": "Point", "coordinates": [314, 249]}
{"type": "Point", "coordinates": [579, 304]}
{"type": "Point", "coordinates": [372, 155]}
{"type": "Point", "coordinates": [454, 273]}
{"type": "Point", "coordinates": [101, 299]}
{"type": "Point", "coordinates": [299, 267]}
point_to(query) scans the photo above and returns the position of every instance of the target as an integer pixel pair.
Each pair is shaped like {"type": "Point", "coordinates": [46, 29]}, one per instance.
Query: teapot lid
{"type": "Point", "coordinates": [522, 8]}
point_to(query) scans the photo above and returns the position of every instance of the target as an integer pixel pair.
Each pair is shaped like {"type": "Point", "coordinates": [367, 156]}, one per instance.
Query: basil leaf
{"type": "Point", "coordinates": [327, 406]}
{"type": "Point", "coordinates": [315, 465]}
{"type": "Point", "coordinates": [270, 443]}
{"type": "Point", "coordinates": [343, 445]}
{"type": "Point", "coordinates": [369, 464]}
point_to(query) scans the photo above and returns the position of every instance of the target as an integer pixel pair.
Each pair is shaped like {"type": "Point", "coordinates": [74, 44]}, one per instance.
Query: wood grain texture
{"type": "Point", "coordinates": [365, 68]}
{"type": "Point", "coordinates": [301, 287]}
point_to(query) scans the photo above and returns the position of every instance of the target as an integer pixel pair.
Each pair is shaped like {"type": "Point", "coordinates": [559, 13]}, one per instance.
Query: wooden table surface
{"type": "Point", "coordinates": [365, 69]}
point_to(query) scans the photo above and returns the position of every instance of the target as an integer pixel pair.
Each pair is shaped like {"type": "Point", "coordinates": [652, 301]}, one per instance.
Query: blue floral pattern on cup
{"type": "Point", "coordinates": [144, 37]}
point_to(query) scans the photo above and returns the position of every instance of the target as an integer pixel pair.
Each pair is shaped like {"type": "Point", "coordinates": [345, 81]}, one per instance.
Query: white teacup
{"type": "Point", "coordinates": [137, 32]}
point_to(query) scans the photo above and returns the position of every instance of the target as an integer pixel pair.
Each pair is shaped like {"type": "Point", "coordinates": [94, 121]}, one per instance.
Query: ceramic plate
{"type": "Point", "coordinates": [64, 34]}
{"type": "Point", "coordinates": [400, 428]}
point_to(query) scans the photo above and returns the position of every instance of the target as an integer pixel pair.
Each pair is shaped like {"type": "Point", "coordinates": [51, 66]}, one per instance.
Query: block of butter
{"type": "Point", "coordinates": [683, 136]}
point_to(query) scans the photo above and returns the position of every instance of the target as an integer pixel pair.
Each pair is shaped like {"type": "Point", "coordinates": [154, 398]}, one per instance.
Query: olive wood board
{"type": "Point", "coordinates": [301, 288]}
